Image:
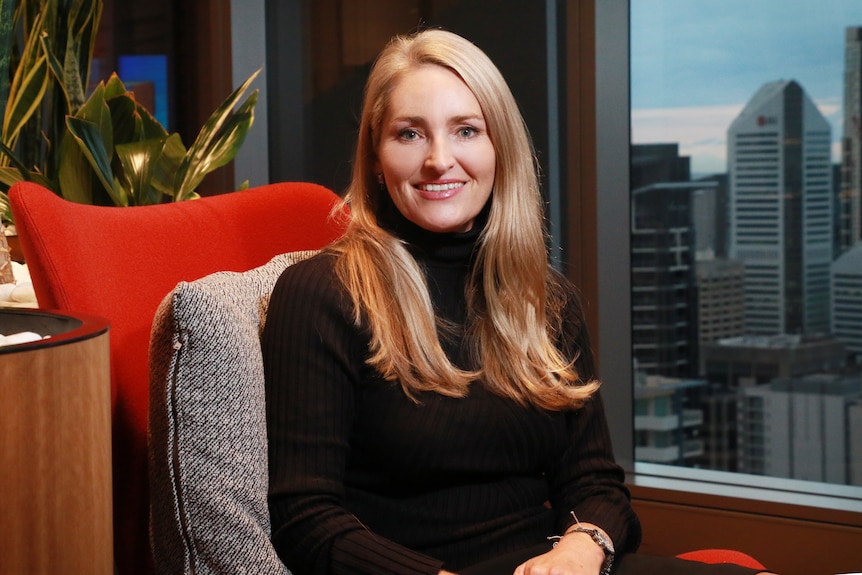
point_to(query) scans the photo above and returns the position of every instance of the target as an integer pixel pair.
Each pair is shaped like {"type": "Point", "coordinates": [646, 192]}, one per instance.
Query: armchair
{"type": "Point", "coordinates": [208, 458]}
{"type": "Point", "coordinates": [119, 263]}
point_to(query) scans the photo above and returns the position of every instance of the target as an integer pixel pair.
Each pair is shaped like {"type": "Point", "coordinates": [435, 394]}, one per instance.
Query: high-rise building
{"type": "Point", "coordinates": [847, 302]}
{"type": "Point", "coordinates": [734, 365]}
{"type": "Point", "coordinates": [752, 360]}
{"type": "Point", "coordinates": [721, 299]}
{"type": "Point", "coordinates": [664, 290]}
{"type": "Point", "coordinates": [797, 428]}
{"type": "Point", "coordinates": [780, 196]}
{"type": "Point", "coordinates": [850, 202]}
{"type": "Point", "coordinates": [667, 427]}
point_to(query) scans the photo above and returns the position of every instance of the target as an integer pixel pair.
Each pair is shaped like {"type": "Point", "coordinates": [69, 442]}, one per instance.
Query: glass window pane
{"type": "Point", "coordinates": [746, 169]}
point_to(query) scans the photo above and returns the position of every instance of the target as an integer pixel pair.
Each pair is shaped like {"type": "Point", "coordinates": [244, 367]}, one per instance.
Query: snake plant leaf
{"type": "Point", "coordinates": [7, 21]}
{"type": "Point", "coordinates": [12, 175]}
{"type": "Point", "coordinates": [24, 99]}
{"type": "Point", "coordinates": [138, 160]}
{"type": "Point", "coordinates": [90, 138]}
{"type": "Point", "coordinates": [18, 172]}
{"type": "Point", "coordinates": [218, 141]}
{"type": "Point", "coordinates": [5, 210]}
{"type": "Point", "coordinates": [29, 83]}
{"type": "Point", "coordinates": [54, 64]}
{"type": "Point", "coordinates": [83, 23]}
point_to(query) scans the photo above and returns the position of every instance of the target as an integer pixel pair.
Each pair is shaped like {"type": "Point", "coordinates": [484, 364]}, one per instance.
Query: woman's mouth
{"type": "Point", "coordinates": [439, 191]}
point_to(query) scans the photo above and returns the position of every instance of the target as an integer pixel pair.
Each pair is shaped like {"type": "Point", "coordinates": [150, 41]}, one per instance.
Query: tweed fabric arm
{"type": "Point", "coordinates": [207, 427]}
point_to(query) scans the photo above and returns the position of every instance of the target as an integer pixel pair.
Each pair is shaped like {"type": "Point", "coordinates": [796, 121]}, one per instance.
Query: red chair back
{"type": "Point", "coordinates": [119, 263]}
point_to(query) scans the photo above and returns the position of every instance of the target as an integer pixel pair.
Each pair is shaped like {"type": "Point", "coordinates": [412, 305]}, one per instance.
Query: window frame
{"type": "Point", "coordinates": [764, 516]}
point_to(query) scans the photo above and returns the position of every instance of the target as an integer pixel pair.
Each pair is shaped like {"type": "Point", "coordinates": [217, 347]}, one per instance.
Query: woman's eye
{"type": "Point", "coordinates": [408, 134]}
{"type": "Point", "coordinates": [467, 132]}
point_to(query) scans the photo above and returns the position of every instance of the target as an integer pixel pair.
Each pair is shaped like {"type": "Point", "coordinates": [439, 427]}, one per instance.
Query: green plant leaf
{"type": "Point", "coordinates": [55, 66]}
{"type": "Point", "coordinates": [7, 34]}
{"type": "Point", "coordinates": [151, 128]}
{"type": "Point", "coordinates": [114, 87]}
{"type": "Point", "coordinates": [10, 176]}
{"type": "Point", "coordinates": [75, 174]}
{"type": "Point", "coordinates": [125, 121]}
{"type": "Point", "coordinates": [24, 99]}
{"type": "Point", "coordinates": [89, 138]}
{"type": "Point", "coordinates": [83, 23]}
{"type": "Point", "coordinates": [139, 160]}
{"type": "Point", "coordinates": [163, 173]}
{"type": "Point", "coordinates": [218, 141]}
{"type": "Point", "coordinates": [97, 111]}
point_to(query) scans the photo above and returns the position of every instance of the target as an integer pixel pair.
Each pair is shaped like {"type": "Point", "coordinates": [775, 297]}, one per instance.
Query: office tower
{"type": "Point", "coordinates": [667, 427]}
{"type": "Point", "coordinates": [847, 302]}
{"type": "Point", "coordinates": [721, 299]}
{"type": "Point", "coordinates": [664, 292]}
{"type": "Point", "coordinates": [849, 204]}
{"type": "Point", "coordinates": [736, 364]}
{"type": "Point", "coordinates": [780, 184]}
{"type": "Point", "coordinates": [854, 439]}
{"type": "Point", "coordinates": [797, 428]}
{"type": "Point", "coordinates": [753, 360]}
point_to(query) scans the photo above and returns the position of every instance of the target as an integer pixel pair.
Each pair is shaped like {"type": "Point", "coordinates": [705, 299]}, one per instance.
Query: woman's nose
{"type": "Point", "coordinates": [440, 156]}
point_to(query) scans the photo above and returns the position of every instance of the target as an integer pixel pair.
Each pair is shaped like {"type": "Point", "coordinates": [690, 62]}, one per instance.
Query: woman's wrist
{"type": "Point", "coordinates": [598, 539]}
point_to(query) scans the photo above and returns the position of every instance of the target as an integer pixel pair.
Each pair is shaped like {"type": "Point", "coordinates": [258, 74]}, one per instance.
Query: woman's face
{"type": "Point", "coordinates": [434, 151]}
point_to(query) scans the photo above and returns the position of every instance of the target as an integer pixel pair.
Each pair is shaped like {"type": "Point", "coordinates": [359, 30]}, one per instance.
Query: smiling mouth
{"type": "Point", "coordinates": [440, 187]}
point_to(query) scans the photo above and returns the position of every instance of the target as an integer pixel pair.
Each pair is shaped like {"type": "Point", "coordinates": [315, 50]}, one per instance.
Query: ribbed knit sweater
{"type": "Point", "coordinates": [364, 480]}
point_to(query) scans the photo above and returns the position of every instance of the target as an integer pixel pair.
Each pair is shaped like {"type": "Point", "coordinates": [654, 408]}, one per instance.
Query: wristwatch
{"type": "Point", "coordinates": [602, 541]}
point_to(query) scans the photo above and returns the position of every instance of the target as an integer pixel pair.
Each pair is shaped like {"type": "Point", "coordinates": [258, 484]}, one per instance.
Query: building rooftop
{"type": "Point", "coordinates": [850, 262]}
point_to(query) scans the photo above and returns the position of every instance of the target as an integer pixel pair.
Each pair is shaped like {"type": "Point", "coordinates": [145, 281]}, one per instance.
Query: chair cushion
{"type": "Point", "coordinates": [207, 425]}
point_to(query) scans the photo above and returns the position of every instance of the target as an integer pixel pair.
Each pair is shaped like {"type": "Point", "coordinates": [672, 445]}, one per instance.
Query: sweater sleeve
{"type": "Point", "coordinates": [313, 356]}
{"type": "Point", "coordinates": [586, 479]}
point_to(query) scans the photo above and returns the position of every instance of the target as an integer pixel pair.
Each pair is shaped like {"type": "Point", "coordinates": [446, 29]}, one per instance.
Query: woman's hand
{"type": "Point", "coordinates": [575, 554]}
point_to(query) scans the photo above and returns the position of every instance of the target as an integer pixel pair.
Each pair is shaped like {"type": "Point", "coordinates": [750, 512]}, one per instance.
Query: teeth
{"type": "Point", "coordinates": [440, 187]}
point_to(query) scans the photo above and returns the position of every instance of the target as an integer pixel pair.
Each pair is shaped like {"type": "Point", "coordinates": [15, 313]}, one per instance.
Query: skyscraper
{"type": "Point", "coordinates": [780, 196]}
{"type": "Point", "coordinates": [847, 302]}
{"type": "Point", "coordinates": [664, 292]}
{"type": "Point", "coordinates": [849, 204]}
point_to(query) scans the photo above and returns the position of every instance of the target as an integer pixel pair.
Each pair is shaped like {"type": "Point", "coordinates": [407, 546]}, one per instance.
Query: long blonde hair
{"type": "Point", "coordinates": [514, 298]}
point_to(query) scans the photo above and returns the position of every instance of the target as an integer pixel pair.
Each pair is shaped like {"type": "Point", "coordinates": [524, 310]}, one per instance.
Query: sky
{"type": "Point", "coordinates": [696, 63]}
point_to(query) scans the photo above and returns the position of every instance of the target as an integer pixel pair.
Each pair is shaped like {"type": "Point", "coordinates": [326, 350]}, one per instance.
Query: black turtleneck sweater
{"type": "Point", "coordinates": [364, 480]}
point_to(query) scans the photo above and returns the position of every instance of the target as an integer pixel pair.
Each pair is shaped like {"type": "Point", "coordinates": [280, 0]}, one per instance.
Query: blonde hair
{"type": "Point", "coordinates": [514, 298]}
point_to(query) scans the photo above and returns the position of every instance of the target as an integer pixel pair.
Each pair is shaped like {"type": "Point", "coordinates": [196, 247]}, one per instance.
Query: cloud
{"type": "Point", "coordinates": [701, 131]}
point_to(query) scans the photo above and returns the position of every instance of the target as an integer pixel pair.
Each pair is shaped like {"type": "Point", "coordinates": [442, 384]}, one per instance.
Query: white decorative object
{"type": "Point", "coordinates": [20, 293]}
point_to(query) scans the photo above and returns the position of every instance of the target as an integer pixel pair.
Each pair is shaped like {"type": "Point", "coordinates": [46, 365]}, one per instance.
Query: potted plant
{"type": "Point", "coordinates": [104, 149]}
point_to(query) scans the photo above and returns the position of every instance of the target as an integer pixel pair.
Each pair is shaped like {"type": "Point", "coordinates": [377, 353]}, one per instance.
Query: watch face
{"type": "Point", "coordinates": [600, 539]}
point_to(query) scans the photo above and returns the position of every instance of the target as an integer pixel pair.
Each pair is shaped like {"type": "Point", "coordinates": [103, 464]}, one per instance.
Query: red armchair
{"type": "Point", "coordinates": [723, 556]}
{"type": "Point", "coordinates": [118, 263]}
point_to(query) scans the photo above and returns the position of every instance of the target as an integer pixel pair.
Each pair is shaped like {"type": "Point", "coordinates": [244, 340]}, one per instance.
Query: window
{"type": "Point", "coordinates": [774, 142]}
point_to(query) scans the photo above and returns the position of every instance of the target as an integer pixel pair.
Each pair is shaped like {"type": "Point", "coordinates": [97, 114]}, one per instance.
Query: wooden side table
{"type": "Point", "coordinates": [55, 446]}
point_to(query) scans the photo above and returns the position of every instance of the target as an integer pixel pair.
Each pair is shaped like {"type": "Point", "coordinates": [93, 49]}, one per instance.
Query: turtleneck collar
{"type": "Point", "coordinates": [448, 247]}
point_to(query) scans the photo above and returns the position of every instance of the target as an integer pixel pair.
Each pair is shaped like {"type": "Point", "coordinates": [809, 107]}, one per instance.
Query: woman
{"type": "Point", "coordinates": [431, 397]}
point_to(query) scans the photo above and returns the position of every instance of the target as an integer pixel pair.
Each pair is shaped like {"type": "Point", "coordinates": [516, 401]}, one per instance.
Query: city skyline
{"type": "Point", "coordinates": [694, 65]}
